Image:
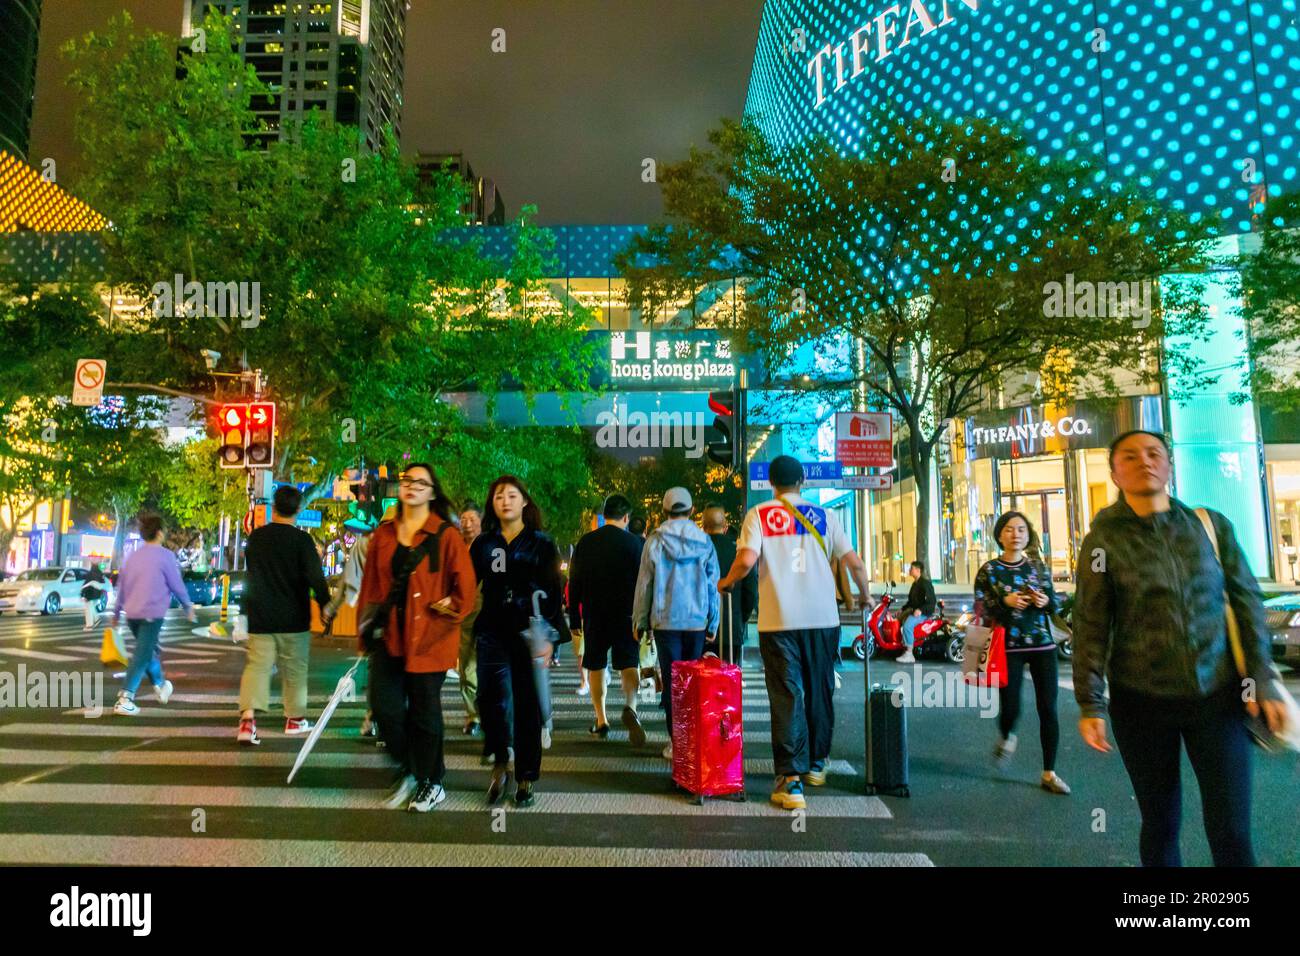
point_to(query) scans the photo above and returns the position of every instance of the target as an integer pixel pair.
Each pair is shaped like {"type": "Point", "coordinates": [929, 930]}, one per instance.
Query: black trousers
{"type": "Point", "coordinates": [506, 685]}
{"type": "Point", "coordinates": [1151, 733]}
{"type": "Point", "coordinates": [1042, 667]}
{"type": "Point", "coordinates": [408, 708]}
{"type": "Point", "coordinates": [799, 668]}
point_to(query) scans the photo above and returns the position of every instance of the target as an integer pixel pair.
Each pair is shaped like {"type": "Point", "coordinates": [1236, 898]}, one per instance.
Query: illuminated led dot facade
{"type": "Point", "coordinates": [1191, 96]}
{"type": "Point", "coordinates": [29, 203]}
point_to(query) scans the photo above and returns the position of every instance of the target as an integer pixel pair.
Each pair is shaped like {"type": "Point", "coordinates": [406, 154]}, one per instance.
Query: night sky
{"type": "Point", "coordinates": [586, 90]}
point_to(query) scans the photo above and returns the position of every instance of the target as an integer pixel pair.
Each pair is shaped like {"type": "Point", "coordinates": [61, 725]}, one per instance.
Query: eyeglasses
{"type": "Point", "coordinates": [408, 482]}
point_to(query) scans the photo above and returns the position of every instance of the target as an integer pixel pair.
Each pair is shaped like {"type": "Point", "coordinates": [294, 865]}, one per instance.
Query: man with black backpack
{"type": "Point", "coordinates": [794, 543]}
{"type": "Point", "coordinates": [284, 573]}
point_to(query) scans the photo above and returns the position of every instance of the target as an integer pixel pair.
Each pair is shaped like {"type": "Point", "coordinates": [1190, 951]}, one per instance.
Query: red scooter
{"type": "Point", "coordinates": [933, 637]}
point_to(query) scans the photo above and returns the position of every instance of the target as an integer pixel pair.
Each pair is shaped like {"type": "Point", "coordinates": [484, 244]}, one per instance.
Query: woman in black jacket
{"type": "Point", "coordinates": [513, 558]}
{"type": "Point", "coordinates": [1015, 591]}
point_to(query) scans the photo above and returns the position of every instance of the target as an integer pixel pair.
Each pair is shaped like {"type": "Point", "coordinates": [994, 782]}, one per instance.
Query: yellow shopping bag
{"type": "Point", "coordinates": [111, 651]}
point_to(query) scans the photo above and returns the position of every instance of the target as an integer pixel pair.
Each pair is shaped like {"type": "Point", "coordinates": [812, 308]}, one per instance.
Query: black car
{"type": "Point", "coordinates": [1282, 617]}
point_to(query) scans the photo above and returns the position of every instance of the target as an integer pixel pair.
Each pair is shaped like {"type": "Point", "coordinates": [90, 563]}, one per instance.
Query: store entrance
{"type": "Point", "coordinates": [1045, 508]}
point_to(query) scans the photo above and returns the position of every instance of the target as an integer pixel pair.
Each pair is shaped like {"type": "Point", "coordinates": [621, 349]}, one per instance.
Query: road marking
{"type": "Point", "coordinates": [363, 758]}
{"type": "Point", "coordinates": [103, 795]}
{"type": "Point", "coordinates": [202, 851]}
{"type": "Point", "coordinates": [39, 655]}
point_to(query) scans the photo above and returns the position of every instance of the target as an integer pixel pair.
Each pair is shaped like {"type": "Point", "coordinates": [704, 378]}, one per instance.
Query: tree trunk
{"type": "Point", "coordinates": [921, 454]}
{"type": "Point", "coordinates": [119, 538]}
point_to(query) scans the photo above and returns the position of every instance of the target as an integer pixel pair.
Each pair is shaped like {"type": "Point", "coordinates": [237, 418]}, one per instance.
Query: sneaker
{"type": "Point", "coordinates": [451, 674]}
{"type": "Point", "coordinates": [126, 706]}
{"type": "Point", "coordinates": [427, 796]}
{"type": "Point", "coordinates": [907, 657]}
{"type": "Point", "coordinates": [1003, 751]}
{"type": "Point", "coordinates": [1053, 784]}
{"type": "Point", "coordinates": [788, 793]}
{"type": "Point", "coordinates": [668, 752]}
{"type": "Point", "coordinates": [471, 728]}
{"type": "Point", "coordinates": [584, 691]}
{"type": "Point", "coordinates": [163, 691]}
{"type": "Point", "coordinates": [816, 775]}
{"type": "Point", "coordinates": [546, 738]}
{"type": "Point", "coordinates": [524, 794]}
{"type": "Point", "coordinates": [368, 727]}
{"type": "Point", "coordinates": [296, 725]}
{"type": "Point", "coordinates": [248, 733]}
{"type": "Point", "coordinates": [401, 791]}
{"type": "Point", "coordinates": [635, 732]}
{"type": "Point", "coordinates": [838, 681]}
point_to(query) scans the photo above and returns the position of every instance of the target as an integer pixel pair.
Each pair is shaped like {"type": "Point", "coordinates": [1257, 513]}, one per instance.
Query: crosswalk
{"type": "Point", "coordinates": [171, 785]}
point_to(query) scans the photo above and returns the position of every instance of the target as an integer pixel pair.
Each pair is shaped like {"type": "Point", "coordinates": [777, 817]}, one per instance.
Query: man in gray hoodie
{"type": "Point", "coordinates": [677, 592]}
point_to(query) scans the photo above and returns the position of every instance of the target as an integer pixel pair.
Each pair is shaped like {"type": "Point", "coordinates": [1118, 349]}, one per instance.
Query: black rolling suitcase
{"type": "Point", "coordinates": [886, 736]}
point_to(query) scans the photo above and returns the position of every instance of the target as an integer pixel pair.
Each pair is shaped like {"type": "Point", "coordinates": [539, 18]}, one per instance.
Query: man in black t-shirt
{"type": "Point", "coordinates": [920, 605]}
{"type": "Point", "coordinates": [284, 573]}
{"type": "Point", "coordinates": [602, 587]}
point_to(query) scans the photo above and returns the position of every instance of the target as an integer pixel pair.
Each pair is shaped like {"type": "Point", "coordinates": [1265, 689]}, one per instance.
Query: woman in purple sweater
{"type": "Point", "coordinates": [144, 588]}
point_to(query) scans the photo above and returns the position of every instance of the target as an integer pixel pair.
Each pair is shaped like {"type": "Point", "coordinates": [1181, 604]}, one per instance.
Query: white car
{"type": "Point", "coordinates": [49, 590]}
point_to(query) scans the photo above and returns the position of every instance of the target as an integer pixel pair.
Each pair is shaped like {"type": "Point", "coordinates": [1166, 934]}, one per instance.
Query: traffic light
{"type": "Point", "coordinates": [261, 435]}
{"type": "Point", "coordinates": [722, 448]}
{"type": "Point", "coordinates": [368, 507]}
{"type": "Point", "coordinates": [232, 432]}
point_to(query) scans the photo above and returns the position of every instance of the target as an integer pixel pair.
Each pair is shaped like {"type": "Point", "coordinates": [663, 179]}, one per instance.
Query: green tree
{"type": "Point", "coordinates": [917, 272]}
{"type": "Point", "coordinates": [1270, 284]}
{"type": "Point", "coordinates": [370, 311]}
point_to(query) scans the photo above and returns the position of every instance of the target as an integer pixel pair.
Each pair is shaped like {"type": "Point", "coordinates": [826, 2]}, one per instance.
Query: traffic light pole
{"type": "Point", "coordinates": [741, 457]}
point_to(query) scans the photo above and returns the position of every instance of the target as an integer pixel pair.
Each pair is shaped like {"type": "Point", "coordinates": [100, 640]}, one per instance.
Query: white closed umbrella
{"type": "Point", "coordinates": [347, 686]}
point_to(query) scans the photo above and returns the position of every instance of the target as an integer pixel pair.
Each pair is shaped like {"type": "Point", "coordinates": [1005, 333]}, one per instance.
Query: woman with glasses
{"type": "Point", "coordinates": [418, 568]}
{"type": "Point", "coordinates": [513, 558]}
{"type": "Point", "coordinates": [1014, 590]}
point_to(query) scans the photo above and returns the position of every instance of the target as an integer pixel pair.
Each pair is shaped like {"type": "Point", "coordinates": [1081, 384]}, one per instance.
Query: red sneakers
{"type": "Point", "coordinates": [248, 733]}
{"type": "Point", "coordinates": [297, 725]}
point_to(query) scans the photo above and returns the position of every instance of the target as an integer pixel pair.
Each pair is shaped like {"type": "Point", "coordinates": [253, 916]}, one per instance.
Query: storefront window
{"type": "Point", "coordinates": [1284, 505]}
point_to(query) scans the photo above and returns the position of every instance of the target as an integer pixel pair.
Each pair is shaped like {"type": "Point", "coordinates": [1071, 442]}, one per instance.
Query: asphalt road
{"type": "Point", "coordinates": [172, 786]}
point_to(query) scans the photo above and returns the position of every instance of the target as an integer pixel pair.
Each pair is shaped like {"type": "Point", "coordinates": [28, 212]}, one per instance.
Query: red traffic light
{"type": "Point", "coordinates": [722, 403]}
{"type": "Point", "coordinates": [232, 416]}
{"type": "Point", "coordinates": [261, 415]}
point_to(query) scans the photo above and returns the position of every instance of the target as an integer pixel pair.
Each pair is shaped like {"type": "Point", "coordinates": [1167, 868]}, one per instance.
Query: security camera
{"type": "Point", "coordinates": [210, 358]}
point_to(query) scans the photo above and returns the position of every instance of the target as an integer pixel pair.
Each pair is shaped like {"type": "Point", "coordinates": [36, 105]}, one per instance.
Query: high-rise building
{"type": "Point", "coordinates": [344, 57]}
{"type": "Point", "coordinates": [20, 29]}
{"type": "Point", "coordinates": [484, 205]}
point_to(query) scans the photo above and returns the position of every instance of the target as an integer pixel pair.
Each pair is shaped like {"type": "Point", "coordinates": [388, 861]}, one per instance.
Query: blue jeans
{"type": "Point", "coordinates": [146, 658]}
{"type": "Point", "coordinates": [675, 646]}
{"type": "Point", "coordinates": [908, 629]}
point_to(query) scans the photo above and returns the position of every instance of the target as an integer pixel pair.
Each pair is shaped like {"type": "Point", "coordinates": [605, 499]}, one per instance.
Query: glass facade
{"type": "Point", "coordinates": [20, 29]}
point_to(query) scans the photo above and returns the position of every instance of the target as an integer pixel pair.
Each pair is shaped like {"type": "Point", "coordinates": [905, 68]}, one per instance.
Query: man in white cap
{"type": "Point", "coordinates": [677, 592]}
{"type": "Point", "coordinates": [794, 542]}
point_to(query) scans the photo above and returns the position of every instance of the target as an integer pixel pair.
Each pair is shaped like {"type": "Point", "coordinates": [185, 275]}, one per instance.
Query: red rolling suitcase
{"type": "Point", "coordinates": [708, 742]}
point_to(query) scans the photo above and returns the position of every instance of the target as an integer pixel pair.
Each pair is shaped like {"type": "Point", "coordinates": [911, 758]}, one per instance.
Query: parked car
{"type": "Point", "coordinates": [204, 587]}
{"type": "Point", "coordinates": [1282, 617]}
{"type": "Point", "coordinates": [49, 590]}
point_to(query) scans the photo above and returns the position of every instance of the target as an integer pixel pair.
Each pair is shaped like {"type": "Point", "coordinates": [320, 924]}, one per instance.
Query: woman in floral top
{"type": "Point", "coordinates": [1015, 591]}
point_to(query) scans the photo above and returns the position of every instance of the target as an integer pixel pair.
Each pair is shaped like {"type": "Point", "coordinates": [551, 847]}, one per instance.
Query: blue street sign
{"type": "Point", "coordinates": [308, 518]}
{"type": "Point", "coordinates": [816, 474]}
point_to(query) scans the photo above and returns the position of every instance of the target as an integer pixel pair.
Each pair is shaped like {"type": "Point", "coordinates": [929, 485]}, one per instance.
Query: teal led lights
{"type": "Point", "coordinates": [1201, 98]}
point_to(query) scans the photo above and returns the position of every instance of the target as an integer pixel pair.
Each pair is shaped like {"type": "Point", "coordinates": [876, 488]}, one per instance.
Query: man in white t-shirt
{"type": "Point", "coordinates": [794, 541]}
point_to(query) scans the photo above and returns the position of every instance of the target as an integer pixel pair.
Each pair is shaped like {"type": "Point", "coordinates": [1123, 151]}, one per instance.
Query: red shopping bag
{"type": "Point", "coordinates": [995, 672]}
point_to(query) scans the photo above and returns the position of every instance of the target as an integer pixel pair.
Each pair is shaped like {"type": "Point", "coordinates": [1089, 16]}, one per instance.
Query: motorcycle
{"type": "Point", "coordinates": [933, 637]}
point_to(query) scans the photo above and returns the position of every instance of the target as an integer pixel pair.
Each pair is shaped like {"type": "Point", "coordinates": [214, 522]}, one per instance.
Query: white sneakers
{"type": "Point", "coordinates": [127, 707]}
{"type": "Point", "coordinates": [668, 752]}
{"type": "Point", "coordinates": [907, 657]}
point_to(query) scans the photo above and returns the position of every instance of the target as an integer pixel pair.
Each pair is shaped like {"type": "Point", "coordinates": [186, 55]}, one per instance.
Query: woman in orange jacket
{"type": "Point", "coordinates": [428, 600]}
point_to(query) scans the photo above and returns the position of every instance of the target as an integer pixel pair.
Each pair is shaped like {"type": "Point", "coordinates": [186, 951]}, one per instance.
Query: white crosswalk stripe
{"type": "Point", "coordinates": [102, 785]}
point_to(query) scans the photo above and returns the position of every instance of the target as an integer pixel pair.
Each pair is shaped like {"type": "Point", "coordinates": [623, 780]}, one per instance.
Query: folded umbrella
{"type": "Point", "coordinates": [540, 638]}
{"type": "Point", "coordinates": [346, 688]}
